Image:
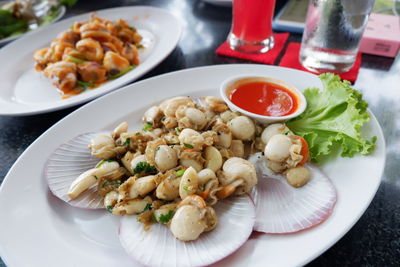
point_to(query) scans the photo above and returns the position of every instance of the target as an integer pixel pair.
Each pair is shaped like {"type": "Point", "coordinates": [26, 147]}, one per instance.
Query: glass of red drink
{"type": "Point", "coordinates": [252, 26]}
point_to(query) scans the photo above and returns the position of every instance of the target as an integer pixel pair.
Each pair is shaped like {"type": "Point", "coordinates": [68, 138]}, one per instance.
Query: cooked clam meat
{"type": "Point", "coordinates": [90, 177]}
{"type": "Point", "coordinates": [190, 118]}
{"type": "Point", "coordinates": [169, 106]}
{"type": "Point", "coordinates": [286, 153]}
{"type": "Point", "coordinates": [273, 129]}
{"type": "Point", "coordinates": [188, 156]}
{"type": "Point", "coordinates": [103, 146]}
{"type": "Point", "coordinates": [242, 128]}
{"type": "Point", "coordinates": [238, 177]}
{"type": "Point", "coordinates": [189, 183]}
{"type": "Point", "coordinates": [165, 158]}
{"type": "Point", "coordinates": [192, 218]}
{"type": "Point", "coordinates": [191, 139]}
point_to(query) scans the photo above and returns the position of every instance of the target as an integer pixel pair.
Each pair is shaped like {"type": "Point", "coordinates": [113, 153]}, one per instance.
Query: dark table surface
{"type": "Point", "coordinates": [375, 238]}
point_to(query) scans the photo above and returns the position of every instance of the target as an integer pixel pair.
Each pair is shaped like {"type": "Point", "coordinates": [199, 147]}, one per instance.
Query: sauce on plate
{"type": "Point", "coordinates": [264, 98]}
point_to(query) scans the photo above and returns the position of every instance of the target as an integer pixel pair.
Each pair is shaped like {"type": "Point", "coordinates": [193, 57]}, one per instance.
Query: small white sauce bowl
{"type": "Point", "coordinates": [230, 84]}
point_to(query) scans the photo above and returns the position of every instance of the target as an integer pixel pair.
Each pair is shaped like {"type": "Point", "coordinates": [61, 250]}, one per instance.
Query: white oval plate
{"type": "Point", "coordinates": [33, 221]}
{"type": "Point", "coordinates": [12, 38]}
{"type": "Point", "coordinates": [25, 91]}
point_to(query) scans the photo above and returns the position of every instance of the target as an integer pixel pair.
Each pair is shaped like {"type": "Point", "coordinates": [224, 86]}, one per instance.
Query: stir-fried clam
{"type": "Point", "coordinates": [186, 158]}
{"type": "Point", "coordinates": [285, 152]}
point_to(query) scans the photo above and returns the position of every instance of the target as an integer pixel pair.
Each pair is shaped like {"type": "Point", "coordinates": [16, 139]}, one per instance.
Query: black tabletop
{"type": "Point", "coordinates": [375, 238]}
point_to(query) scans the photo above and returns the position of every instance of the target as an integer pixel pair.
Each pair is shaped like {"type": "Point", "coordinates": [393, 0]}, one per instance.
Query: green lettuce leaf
{"type": "Point", "coordinates": [333, 118]}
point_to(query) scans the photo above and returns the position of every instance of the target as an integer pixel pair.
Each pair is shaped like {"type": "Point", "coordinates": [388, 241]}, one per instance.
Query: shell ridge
{"type": "Point", "coordinates": [172, 252]}
{"type": "Point", "coordinates": [292, 209]}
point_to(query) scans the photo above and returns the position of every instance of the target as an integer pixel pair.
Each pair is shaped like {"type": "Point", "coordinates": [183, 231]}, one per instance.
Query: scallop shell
{"type": "Point", "coordinates": [65, 164]}
{"type": "Point", "coordinates": [281, 208]}
{"type": "Point", "coordinates": [158, 247]}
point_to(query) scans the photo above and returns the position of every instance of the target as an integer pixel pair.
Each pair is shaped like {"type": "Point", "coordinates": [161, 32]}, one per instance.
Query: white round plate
{"type": "Point", "coordinates": [12, 38]}
{"type": "Point", "coordinates": [41, 230]}
{"type": "Point", "coordinates": [25, 91]}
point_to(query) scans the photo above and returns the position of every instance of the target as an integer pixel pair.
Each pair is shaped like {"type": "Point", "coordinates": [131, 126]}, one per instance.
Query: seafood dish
{"type": "Point", "coordinates": [20, 16]}
{"type": "Point", "coordinates": [196, 170]}
{"type": "Point", "coordinates": [89, 54]}
{"type": "Point", "coordinates": [184, 160]}
{"type": "Point", "coordinates": [187, 158]}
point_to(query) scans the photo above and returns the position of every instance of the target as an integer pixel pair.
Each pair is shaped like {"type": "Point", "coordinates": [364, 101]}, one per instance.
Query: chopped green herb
{"type": "Point", "coordinates": [116, 183]}
{"type": "Point", "coordinates": [186, 188]}
{"type": "Point", "coordinates": [109, 208]}
{"type": "Point", "coordinates": [127, 141]}
{"type": "Point", "coordinates": [148, 207]}
{"type": "Point", "coordinates": [180, 173]}
{"type": "Point", "coordinates": [103, 161]}
{"type": "Point", "coordinates": [119, 74]}
{"type": "Point", "coordinates": [286, 133]}
{"type": "Point", "coordinates": [144, 167]}
{"type": "Point", "coordinates": [178, 130]}
{"type": "Point", "coordinates": [147, 126]}
{"type": "Point", "coordinates": [188, 145]}
{"type": "Point", "coordinates": [165, 218]}
{"type": "Point", "coordinates": [97, 178]}
{"type": "Point", "coordinates": [153, 218]}
{"type": "Point", "coordinates": [76, 60]}
{"type": "Point", "coordinates": [84, 85]}
{"type": "Point", "coordinates": [139, 46]}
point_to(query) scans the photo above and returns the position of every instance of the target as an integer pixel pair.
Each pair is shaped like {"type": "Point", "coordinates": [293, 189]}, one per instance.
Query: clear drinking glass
{"type": "Point", "coordinates": [332, 34]}
{"type": "Point", "coordinates": [251, 30]}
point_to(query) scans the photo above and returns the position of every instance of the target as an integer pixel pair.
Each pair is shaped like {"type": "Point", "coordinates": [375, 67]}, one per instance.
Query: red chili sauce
{"type": "Point", "coordinates": [264, 98]}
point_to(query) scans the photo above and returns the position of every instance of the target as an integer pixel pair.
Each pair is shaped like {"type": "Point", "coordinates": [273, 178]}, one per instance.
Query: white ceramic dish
{"type": "Point", "coordinates": [34, 221]}
{"type": "Point", "coordinates": [231, 83]}
{"type": "Point", "coordinates": [12, 38]}
{"type": "Point", "coordinates": [25, 91]}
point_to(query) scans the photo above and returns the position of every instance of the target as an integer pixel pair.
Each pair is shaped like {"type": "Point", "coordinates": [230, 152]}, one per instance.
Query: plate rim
{"type": "Point", "coordinates": [82, 109]}
{"type": "Point", "coordinates": [169, 44]}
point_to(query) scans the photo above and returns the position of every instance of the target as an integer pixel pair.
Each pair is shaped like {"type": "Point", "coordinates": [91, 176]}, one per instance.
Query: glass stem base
{"type": "Point", "coordinates": [320, 62]}
{"type": "Point", "coordinates": [240, 45]}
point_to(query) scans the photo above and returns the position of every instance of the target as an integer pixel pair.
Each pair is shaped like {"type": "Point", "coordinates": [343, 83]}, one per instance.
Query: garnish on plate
{"type": "Point", "coordinates": [333, 118]}
{"type": "Point", "coordinates": [144, 167]}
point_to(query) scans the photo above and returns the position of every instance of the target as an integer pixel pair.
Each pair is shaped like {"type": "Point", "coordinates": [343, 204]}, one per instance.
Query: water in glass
{"type": "Point", "coordinates": [332, 34]}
